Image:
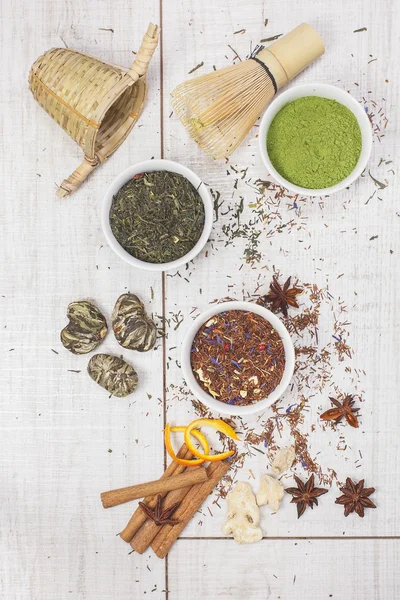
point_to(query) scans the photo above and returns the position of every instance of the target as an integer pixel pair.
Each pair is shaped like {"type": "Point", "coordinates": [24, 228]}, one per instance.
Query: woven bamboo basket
{"type": "Point", "coordinates": [95, 102]}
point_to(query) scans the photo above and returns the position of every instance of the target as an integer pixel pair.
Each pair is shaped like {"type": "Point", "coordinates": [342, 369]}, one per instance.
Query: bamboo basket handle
{"type": "Point", "coordinates": [77, 177]}
{"type": "Point", "coordinates": [138, 69]}
{"type": "Point", "coordinates": [146, 51]}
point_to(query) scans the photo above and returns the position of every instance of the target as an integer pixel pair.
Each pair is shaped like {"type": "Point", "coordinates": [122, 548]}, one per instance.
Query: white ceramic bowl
{"type": "Point", "coordinates": [324, 91]}
{"type": "Point", "coordinates": [145, 167]}
{"type": "Point", "coordinates": [207, 399]}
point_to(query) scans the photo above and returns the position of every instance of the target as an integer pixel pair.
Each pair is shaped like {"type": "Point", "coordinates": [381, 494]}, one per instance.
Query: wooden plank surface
{"type": "Point", "coordinates": [63, 441]}
{"type": "Point", "coordinates": [285, 569]}
{"type": "Point", "coordinates": [329, 242]}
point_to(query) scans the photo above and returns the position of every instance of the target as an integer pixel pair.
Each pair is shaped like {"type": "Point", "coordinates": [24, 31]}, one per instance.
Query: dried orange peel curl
{"type": "Point", "coordinates": [217, 424]}
{"type": "Point", "coordinates": [184, 461]}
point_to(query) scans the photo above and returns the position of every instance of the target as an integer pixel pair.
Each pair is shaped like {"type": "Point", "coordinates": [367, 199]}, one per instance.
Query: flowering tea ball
{"type": "Point", "coordinates": [113, 374]}
{"type": "Point", "coordinates": [86, 329]}
{"type": "Point", "coordinates": [132, 327]}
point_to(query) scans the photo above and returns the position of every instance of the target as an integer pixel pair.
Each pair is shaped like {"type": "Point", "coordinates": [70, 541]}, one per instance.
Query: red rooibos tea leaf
{"type": "Point", "coordinates": [238, 357]}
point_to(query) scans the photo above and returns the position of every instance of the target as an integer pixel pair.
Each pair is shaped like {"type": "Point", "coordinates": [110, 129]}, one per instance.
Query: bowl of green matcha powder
{"type": "Point", "coordinates": [315, 139]}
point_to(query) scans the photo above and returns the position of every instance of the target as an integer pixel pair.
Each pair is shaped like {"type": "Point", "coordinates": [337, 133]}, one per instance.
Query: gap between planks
{"type": "Point", "coordinates": [163, 277]}
{"type": "Point", "coordinates": [304, 537]}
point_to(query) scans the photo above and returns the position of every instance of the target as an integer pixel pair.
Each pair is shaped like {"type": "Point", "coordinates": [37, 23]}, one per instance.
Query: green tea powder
{"type": "Point", "coordinates": [314, 142]}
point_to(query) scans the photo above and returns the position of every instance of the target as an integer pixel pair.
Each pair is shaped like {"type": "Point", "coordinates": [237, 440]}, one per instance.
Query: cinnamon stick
{"type": "Point", "coordinates": [153, 488]}
{"type": "Point", "coordinates": [191, 503]}
{"type": "Point", "coordinates": [139, 517]}
{"type": "Point", "coordinates": [146, 534]}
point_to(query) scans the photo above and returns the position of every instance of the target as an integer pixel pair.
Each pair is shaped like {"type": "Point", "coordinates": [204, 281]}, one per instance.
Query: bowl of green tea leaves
{"type": "Point", "coordinates": [157, 215]}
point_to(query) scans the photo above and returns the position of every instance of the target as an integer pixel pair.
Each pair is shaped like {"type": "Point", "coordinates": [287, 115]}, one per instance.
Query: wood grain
{"type": "Point", "coordinates": [63, 440]}
{"type": "Point", "coordinates": [286, 569]}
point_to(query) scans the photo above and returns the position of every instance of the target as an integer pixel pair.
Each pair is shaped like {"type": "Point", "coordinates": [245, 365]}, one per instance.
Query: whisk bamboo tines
{"type": "Point", "coordinates": [220, 108]}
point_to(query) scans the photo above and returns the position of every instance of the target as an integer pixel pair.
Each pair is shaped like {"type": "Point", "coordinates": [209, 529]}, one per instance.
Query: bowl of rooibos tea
{"type": "Point", "coordinates": [157, 215]}
{"type": "Point", "coordinates": [238, 358]}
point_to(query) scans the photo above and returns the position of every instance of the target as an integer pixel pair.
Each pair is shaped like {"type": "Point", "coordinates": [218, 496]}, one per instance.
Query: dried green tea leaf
{"type": "Point", "coordinates": [380, 185]}
{"type": "Point", "coordinates": [196, 67]}
{"type": "Point", "coordinates": [157, 217]}
{"type": "Point", "coordinates": [271, 39]}
{"type": "Point", "coordinates": [113, 374]}
{"type": "Point", "coordinates": [132, 327]}
{"type": "Point", "coordinates": [86, 329]}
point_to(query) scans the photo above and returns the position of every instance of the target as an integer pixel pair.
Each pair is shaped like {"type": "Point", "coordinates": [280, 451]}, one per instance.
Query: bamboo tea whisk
{"type": "Point", "coordinates": [219, 109]}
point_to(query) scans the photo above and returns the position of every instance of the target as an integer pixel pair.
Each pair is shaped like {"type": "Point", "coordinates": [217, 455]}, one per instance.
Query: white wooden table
{"type": "Point", "coordinates": [63, 441]}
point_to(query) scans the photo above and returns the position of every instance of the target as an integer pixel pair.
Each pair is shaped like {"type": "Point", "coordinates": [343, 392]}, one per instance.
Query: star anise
{"type": "Point", "coordinates": [342, 410]}
{"type": "Point", "coordinates": [158, 515]}
{"type": "Point", "coordinates": [305, 494]}
{"type": "Point", "coordinates": [280, 298]}
{"type": "Point", "coordinates": [355, 497]}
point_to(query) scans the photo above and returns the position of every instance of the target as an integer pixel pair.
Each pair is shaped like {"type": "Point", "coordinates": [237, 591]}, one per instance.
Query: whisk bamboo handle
{"type": "Point", "coordinates": [292, 53]}
{"type": "Point", "coordinates": [77, 177]}
{"type": "Point", "coordinates": [146, 51]}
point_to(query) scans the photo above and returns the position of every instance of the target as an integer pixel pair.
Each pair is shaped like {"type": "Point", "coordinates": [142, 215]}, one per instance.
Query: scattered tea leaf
{"type": "Point", "coordinates": [235, 53]}
{"type": "Point", "coordinates": [271, 39]}
{"type": "Point", "coordinates": [378, 183]}
{"type": "Point", "coordinates": [359, 30]}
{"type": "Point", "coordinates": [217, 204]}
{"type": "Point", "coordinates": [196, 67]}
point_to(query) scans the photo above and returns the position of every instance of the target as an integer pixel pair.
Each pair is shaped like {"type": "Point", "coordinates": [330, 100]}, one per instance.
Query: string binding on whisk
{"type": "Point", "coordinates": [253, 56]}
